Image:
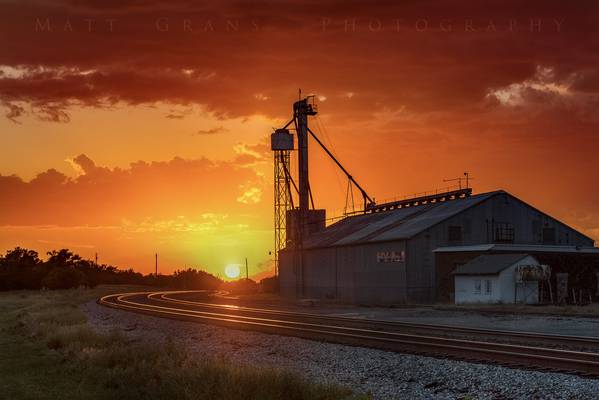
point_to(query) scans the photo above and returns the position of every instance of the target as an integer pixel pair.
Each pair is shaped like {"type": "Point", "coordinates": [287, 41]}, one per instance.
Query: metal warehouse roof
{"type": "Point", "coordinates": [398, 224]}
{"type": "Point", "coordinates": [488, 264]}
{"type": "Point", "coordinates": [519, 248]}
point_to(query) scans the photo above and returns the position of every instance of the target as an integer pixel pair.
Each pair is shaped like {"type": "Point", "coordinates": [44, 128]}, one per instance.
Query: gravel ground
{"type": "Point", "coordinates": [384, 374]}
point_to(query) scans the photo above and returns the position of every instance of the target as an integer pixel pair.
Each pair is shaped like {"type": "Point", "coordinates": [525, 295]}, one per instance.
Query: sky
{"type": "Point", "coordinates": [131, 128]}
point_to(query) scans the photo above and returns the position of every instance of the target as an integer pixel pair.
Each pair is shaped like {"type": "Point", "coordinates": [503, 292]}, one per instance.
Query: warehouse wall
{"type": "Point", "coordinates": [420, 275]}
{"type": "Point", "coordinates": [357, 274]}
{"type": "Point", "coordinates": [320, 277]}
{"type": "Point", "coordinates": [346, 259]}
{"type": "Point", "coordinates": [287, 274]}
{"type": "Point", "coordinates": [376, 281]}
{"type": "Point", "coordinates": [527, 222]}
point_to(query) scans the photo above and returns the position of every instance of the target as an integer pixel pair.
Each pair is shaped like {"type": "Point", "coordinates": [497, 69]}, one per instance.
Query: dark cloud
{"type": "Point", "coordinates": [257, 67]}
{"type": "Point", "coordinates": [14, 112]}
{"type": "Point", "coordinates": [87, 165]}
{"type": "Point", "coordinates": [178, 114]}
{"type": "Point", "coordinates": [212, 131]}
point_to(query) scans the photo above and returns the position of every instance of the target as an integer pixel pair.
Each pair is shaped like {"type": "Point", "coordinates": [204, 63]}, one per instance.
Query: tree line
{"type": "Point", "coordinates": [24, 269]}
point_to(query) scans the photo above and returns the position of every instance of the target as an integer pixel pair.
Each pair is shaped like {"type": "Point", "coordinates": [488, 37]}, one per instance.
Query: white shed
{"type": "Point", "coordinates": [496, 278]}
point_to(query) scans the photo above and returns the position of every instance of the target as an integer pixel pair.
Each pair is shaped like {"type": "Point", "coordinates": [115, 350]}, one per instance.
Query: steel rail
{"type": "Point", "coordinates": [545, 338]}
{"type": "Point", "coordinates": [507, 354]}
{"type": "Point", "coordinates": [581, 355]}
{"type": "Point", "coordinates": [120, 299]}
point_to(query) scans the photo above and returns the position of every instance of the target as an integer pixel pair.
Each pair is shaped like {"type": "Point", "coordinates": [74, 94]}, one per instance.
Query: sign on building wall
{"type": "Point", "coordinates": [390, 256]}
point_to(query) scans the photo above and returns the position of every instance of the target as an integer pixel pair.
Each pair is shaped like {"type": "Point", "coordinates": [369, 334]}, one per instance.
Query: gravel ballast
{"type": "Point", "coordinates": [385, 375]}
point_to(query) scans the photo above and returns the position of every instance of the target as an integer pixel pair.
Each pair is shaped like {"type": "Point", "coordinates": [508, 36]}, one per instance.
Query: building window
{"type": "Point", "coordinates": [488, 286]}
{"type": "Point", "coordinates": [548, 235]}
{"type": "Point", "coordinates": [503, 232]}
{"type": "Point", "coordinates": [477, 286]}
{"type": "Point", "coordinates": [454, 233]}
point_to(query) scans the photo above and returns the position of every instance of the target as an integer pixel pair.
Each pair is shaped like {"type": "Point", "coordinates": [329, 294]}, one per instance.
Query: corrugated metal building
{"type": "Point", "coordinates": [387, 257]}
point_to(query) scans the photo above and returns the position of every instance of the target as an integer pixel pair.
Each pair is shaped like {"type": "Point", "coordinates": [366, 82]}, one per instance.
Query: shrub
{"type": "Point", "coordinates": [241, 286]}
{"type": "Point", "coordinates": [64, 278]}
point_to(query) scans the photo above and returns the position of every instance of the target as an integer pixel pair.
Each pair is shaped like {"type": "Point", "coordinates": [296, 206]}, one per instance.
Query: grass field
{"type": "Point", "coordinates": [48, 351]}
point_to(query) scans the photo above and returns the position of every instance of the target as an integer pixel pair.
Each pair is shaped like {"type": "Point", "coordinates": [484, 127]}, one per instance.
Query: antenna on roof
{"type": "Point", "coordinates": [459, 180]}
{"type": "Point", "coordinates": [467, 175]}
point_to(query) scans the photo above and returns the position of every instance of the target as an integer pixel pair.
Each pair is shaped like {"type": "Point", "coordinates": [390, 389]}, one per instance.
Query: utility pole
{"type": "Point", "coordinates": [156, 264]}
{"type": "Point", "coordinates": [247, 275]}
{"type": "Point", "coordinates": [96, 260]}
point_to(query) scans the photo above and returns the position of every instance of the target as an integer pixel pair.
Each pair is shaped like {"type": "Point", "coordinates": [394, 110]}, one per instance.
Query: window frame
{"type": "Point", "coordinates": [488, 287]}
{"type": "Point", "coordinates": [503, 232]}
{"type": "Point", "coordinates": [477, 286]}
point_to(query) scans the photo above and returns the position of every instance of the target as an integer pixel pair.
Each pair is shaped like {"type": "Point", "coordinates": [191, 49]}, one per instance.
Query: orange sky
{"type": "Point", "coordinates": [132, 128]}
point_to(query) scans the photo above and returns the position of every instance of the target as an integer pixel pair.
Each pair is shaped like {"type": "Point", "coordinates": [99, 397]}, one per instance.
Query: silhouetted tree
{"type": "Point", "coordinates": [62, 258]}
{"type": "Point", "coordinates": [195, 279]}
{"type": "Point", "coordinates": [22, 269]}
{"type": "Point", "coordinates": [240, 286]}
{"type": "Point", "coordinates": [64, 278]}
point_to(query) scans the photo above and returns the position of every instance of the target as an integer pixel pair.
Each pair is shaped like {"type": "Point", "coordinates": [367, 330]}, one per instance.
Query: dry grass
{"type": "Point", "coordinates": [50, 352]}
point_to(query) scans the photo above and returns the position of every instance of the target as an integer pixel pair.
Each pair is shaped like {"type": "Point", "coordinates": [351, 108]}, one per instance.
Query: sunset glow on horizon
{"type": "Point", "coordinates": [150, 134]}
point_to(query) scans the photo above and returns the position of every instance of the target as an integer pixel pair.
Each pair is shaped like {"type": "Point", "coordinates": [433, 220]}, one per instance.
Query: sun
{"type": "Point", "coordinates": [232, 271]}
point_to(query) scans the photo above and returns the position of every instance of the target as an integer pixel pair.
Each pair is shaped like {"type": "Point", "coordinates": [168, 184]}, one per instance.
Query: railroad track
{"type": "Point", "coordinates": [384, 325]}
{"type": "Point", "coordinates": [413, 338]}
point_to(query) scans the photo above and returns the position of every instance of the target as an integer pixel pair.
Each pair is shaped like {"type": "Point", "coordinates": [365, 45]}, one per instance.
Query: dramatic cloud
{"type": "Point", "coordinates": [238, 59]}
{"type": "Point", "coordinates": [14, 111]}
{"type": "Point", "coordinates": [103, 196]}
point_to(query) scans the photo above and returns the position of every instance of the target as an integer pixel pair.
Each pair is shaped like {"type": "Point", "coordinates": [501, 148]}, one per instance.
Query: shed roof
{"type": "Point", "coordinates": [488, 264]}
{"type": "Point", "coordinates": [519, 248]}
{"type": "Point", "coordinates": [398, 224]}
